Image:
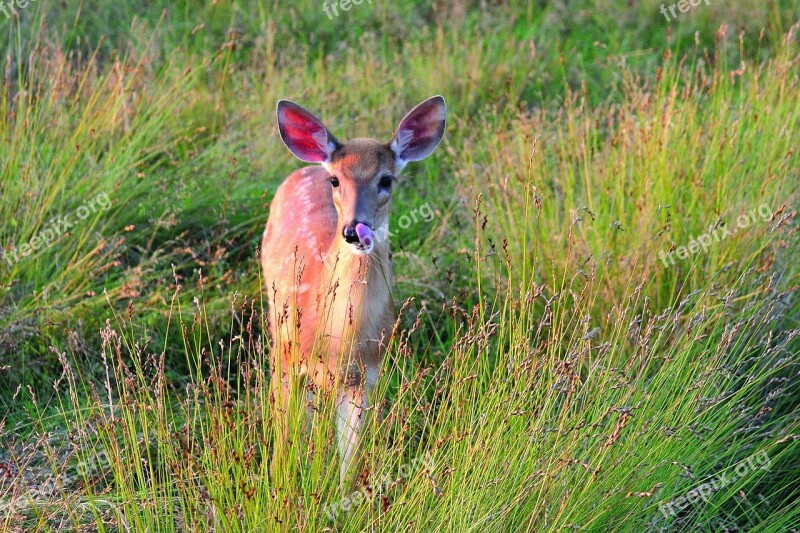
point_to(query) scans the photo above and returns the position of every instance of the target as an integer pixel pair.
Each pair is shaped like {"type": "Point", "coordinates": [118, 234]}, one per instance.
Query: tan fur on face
{"type": "Point", "coordinates": [362, 159]}
{"type": "Point", "coordinates": [359, 165]}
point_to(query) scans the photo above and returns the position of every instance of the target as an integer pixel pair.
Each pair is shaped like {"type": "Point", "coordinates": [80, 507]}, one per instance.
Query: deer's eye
{"type": "Point", "coordinates": [334, 181]}
{"type": "Point", "coordinates": [385, 183]}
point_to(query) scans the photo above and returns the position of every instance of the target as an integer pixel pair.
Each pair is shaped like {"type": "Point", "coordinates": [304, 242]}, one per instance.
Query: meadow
{"type": "Point", "coordinates": [596, 271]}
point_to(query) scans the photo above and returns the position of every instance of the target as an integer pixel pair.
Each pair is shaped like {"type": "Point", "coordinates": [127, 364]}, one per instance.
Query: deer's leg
{"type": "Point", "coordinates": [352, 402]}
{"type": "Point", "coordinates": [351, 405]}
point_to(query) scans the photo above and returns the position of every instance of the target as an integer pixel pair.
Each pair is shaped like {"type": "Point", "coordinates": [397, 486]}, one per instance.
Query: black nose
{"type": "Point", "coordinates": [349, 234]}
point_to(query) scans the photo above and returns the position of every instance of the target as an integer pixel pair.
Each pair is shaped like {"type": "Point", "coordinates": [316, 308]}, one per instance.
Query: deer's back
{"type": "Point", "coordinates": [300, 230]}
{"type": "Point", "coordinates": [302, 216]}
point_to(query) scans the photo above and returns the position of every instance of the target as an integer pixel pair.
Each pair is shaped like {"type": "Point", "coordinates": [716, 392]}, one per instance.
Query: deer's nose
{"type": "Point", "coordinates": [349, 234]}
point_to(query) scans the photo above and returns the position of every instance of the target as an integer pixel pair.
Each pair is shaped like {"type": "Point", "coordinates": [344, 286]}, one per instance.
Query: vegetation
{"type": "Point", "coordinates": [598, 329]}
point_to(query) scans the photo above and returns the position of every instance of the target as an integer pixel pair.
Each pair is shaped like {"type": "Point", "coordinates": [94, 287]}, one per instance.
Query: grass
{"type": "Point", "coordinates": [553, 367]}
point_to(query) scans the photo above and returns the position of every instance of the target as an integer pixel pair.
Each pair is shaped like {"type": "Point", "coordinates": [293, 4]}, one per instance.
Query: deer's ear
{"type": "Point", "coordinates": [304, 134]}
{"type": "Point", "coordinates": [420, 131]}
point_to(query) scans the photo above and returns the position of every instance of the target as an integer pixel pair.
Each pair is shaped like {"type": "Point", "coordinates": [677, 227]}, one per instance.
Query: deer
{"type": "Point", "coordinates": [326, 261]}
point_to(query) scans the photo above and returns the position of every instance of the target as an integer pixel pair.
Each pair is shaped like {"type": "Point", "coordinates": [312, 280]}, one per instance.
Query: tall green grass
{"type": "Point", "coordinates": [549, 371]}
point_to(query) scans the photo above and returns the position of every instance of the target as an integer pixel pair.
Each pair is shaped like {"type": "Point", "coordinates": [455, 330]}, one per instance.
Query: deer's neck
{"type": "Point", "coordinates": [359, 298]}
{"type": "Point", "coordinates": [355, 267]}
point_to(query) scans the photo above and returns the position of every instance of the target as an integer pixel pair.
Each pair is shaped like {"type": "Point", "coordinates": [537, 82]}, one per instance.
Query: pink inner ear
{"type": "Point", "coordinates": [425, 122]}
{"type": "Point", "coordinates": [421, 131]}
{"type": "Point", "coordinates": [305, 136]}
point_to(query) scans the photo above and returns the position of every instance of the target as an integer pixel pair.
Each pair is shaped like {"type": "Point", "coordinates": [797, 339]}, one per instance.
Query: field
{"type": "Point", "coordinates": [596, 272]}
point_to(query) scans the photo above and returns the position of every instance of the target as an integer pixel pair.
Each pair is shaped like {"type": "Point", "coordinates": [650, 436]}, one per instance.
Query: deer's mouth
{"type": "Point", "coordinates": [366, 239]}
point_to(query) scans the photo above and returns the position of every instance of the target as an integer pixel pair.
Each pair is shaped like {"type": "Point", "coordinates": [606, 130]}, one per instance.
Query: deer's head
{"type": "Point", "coordinates": [362, 171]}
